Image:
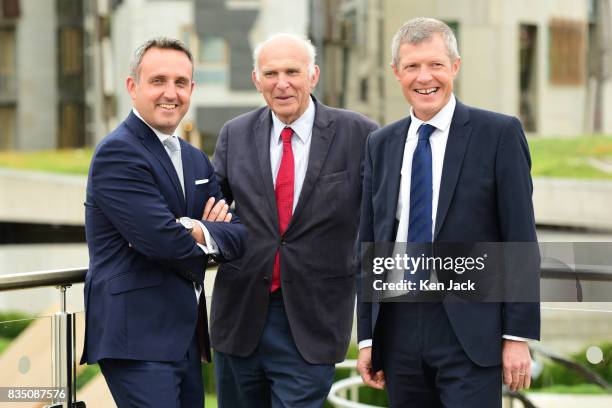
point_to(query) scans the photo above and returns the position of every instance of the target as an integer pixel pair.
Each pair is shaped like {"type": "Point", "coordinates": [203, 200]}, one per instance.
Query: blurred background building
{"type": "Point", "coordinates": [63, 63]}
{"type": "Point", "coordinates": [546, 61]}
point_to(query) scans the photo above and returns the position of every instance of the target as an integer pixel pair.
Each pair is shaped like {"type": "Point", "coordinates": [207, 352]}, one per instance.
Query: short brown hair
{"type": "Point", "coordinates": [163, 43]}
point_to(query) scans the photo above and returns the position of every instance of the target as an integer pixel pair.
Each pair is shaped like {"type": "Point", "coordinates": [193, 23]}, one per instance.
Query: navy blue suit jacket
{"type": "Point", "coordinates": [485, 196]}
{"type": "Point", "coordinates": [140, 301]}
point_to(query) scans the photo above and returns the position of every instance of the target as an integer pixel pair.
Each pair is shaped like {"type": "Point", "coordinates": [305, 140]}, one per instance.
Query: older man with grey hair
{"type": "Point", "coordinates": [445, 173]}
{"type": "Point", "coordinates": [281, 316]}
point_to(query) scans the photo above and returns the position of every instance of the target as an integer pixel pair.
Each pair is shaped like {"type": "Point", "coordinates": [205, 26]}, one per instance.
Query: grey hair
{"type": "Point", "coordinates": [310, 50]}
{"type": "Point", "coordinates": [163, 43]}
{"type": "Point", "coordinates": [422, 29]}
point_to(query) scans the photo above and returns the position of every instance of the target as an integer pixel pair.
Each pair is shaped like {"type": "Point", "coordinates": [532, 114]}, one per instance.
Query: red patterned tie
{"type": "Point", "coordinates": [284, 197]}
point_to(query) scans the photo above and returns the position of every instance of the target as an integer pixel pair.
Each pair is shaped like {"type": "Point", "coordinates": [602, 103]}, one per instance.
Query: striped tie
{"type": "Point", "coordinates": [421, 195]}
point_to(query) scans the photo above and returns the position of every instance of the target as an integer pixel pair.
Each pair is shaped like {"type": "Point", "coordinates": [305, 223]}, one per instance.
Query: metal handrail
{"type": "Point", "coordinates": [59, 277]}
{"type": "Point", "coordinates": [54, 277]}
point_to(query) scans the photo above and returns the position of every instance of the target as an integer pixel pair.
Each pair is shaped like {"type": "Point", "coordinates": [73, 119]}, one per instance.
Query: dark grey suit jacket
{"type": "Point", "coordinates": [317, 250]}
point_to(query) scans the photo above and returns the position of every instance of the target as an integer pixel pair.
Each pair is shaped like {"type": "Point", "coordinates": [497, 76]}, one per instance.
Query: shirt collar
{"type": "Point", "coordinates": [302, 126]}
{"type": "Point", "coordinates": [161, 136]}
{"type": "Point", "coordinates": [442, 119]}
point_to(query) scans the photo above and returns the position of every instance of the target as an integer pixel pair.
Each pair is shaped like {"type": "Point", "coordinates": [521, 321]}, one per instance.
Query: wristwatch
{"type": "Point", "coordinates": [186, 222]}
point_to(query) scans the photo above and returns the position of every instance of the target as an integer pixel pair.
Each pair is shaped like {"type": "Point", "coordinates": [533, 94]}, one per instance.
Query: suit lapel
{"type": "Point", "coordinates": [323, 132]}
{"type": "Point", "coordinates": [153, 145]}
{"type": "Point", "coordinates": [393, 164]}
{"type": "Point", "coordinates": [188, 176]}
{"type": "Point", "coordinates": [458, 138]}
{"type": "Point", "coordinates": [261, 134]}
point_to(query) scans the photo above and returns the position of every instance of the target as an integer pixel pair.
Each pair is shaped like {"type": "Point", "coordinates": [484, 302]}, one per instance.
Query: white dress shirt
{"type": "Point", "coordinates": [441, 121]}
{"type": "Point", "coordinates": [300, 144]}
{"type": "Point", "coordinates": [211, 247]}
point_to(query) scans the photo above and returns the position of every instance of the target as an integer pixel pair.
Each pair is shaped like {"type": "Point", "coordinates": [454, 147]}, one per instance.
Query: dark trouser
{"type": "Point", "coordinates": [275, 375]}
{"type": "Point", "coordinates": [152, 384]}
{"type": "Point", "coordinates": [424, 364]}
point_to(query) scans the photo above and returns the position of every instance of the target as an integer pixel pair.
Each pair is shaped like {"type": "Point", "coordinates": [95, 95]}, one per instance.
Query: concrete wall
{"type": "Point", "coordinates": [573, 203]}
{"type": "Point", "coordinates": [35, 197]}
{"type": "Point", "coordinates": [36, 76]}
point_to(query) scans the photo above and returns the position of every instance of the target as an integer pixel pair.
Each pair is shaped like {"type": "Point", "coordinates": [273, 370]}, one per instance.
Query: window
{"type": "Point", "coordinates": [211, 57]}
{"type": "Point", "coordinates": [567, 52]}
{"type": "Point", "coordinates": [212, 51]}
{"type": "Point", "coordinates": [9, 9]}
{"type": "Point", "coordinates": [7, 130]}
{"type": "Point", "coordinates": [72, 125]}
{"type": "Point", "coordinates": [7, 63]}
{"type": "Point", "coordinates": [71, 51]}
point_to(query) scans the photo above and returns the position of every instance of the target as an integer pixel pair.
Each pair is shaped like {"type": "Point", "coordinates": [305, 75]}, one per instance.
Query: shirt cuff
{"type": "Point", "coordinates": [365, 343]}
{"type": "Point", "coordinates": [211, 247]}
{"type": "Point", "coordinates": [516, 338]}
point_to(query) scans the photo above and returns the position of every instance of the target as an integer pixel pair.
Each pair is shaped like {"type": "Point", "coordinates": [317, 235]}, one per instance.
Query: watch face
{"type": "Point", "coordinates": [187, 223]}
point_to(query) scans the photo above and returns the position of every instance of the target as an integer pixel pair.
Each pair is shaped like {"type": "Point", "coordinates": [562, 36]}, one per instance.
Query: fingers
{"type": "Point", "coordinates": [374, 380]}
{"type": "Point", "coordinates": [516, 365]}
{"type": "Point", "coordinates": [209, 205]}
{"type": "Point", "coordinates": [364, 367]}
{"type": "Point", "coordinates": [223, 212]}
{"type": "Point", "coordinates": [507, 377]}
{"type": "Point", "coordinates": [379, 380]}
{"type": "Point", "coordinates": [527, 380]}
{"type": "Point", "coordinates": [228, 217]}
{"type": "Point", "coordinates": [218, 212]}
{"type": "Point", "coordinates": [517, 379]}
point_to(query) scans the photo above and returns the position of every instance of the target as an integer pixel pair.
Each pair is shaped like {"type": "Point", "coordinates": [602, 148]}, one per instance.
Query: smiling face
{"type": "Point", "coordinates": [284, 80]}
{"type": "Point", "coordinates": [163, 90]}
{"type": "Point", "coordinates": [426, 74]}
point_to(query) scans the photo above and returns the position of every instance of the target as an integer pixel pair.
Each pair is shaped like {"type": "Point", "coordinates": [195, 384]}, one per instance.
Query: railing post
{"type": "Point", "coordinates": [63, 360]}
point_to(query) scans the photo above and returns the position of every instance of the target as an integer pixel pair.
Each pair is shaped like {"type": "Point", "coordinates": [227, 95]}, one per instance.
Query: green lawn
{"type": "Point", "coordinates": [551, 157]}
{"type": "Point", "coordinates": [53, 161]}
{"type": "Point", "coordinates": [562, 157]}
{"type": "Point", "coordinates": [210, 401]}
{"type": "Point", "coordinates": [4, 342]}
{"type": "Point", "coordinates": [582, 389]}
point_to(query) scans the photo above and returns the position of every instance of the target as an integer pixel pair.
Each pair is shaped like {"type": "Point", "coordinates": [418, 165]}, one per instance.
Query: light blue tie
{"type": "Point", "coordinates": [174, 148]}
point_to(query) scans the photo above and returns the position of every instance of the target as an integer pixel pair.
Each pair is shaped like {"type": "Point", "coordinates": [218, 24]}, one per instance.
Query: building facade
{"type": "Point", "coordinates": [547, 61]}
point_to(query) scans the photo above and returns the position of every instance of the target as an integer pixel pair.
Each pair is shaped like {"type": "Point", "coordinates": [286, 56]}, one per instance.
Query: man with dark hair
{"type": "Point", "coordinates": [153, 214]}
{"type": "Point", "coordinates": [446, 173]}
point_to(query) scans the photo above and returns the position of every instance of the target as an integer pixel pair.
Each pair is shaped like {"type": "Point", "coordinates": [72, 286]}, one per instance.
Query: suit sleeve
{"type": "Point", "coordinates": [517, 223]}
{"type": "Point", "coordinates": [366, 234]}
{"type": "Point", "coordinates": [229, 237]}
{"type": "Point", "coordinates": [221, 165]}
{"type": "Point", "coordinates": [125, 190]}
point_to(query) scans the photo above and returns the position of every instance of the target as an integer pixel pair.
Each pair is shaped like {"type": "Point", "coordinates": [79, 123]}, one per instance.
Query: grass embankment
{"type": "Point", "coordinates": [74, 161]}
{"type": "Point", "coordinates": [551, 157]}
{"type": "Point", "coordinates": [572, 158]}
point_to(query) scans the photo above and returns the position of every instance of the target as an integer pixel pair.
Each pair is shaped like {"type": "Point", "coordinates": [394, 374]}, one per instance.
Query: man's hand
{"type": "Point", "coordinates": [218, 212]}
{"type": "Point", "coordinates": [364, 367]}
{"type": "Point", "coordinates": [197, 233]}
{"type": "Point", "coordinates": [516, 364]}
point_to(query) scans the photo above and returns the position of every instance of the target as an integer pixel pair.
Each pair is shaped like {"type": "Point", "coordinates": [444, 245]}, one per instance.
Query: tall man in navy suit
{"type": "Point", "coordinates": [446, 173]}
{"type": "Point", "coordinates": [153, 215]}
{"type": "Point", "coordinates": [293, 170]}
